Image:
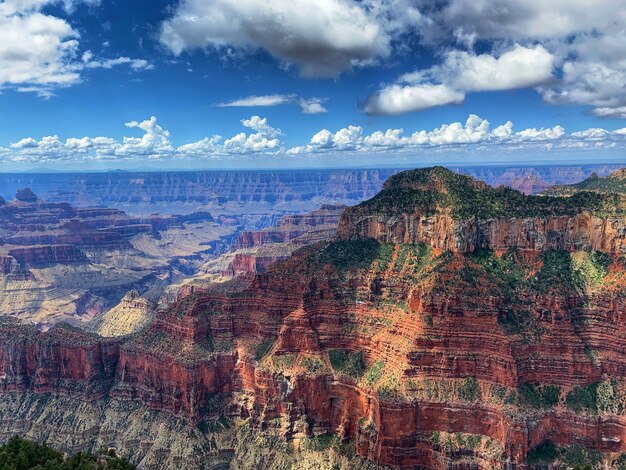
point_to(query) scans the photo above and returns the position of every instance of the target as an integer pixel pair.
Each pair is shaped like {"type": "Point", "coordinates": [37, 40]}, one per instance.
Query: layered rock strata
{"type": "Point", "coordinates": [428, 351]}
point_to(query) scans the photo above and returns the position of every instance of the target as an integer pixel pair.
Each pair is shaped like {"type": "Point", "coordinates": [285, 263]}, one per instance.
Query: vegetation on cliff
{"type": "Point", "coordinates": [22, 454]}
{"type": "Point", "coordinates": [437, 189]}
{"type": "Point", "coordinates": [613, 183]}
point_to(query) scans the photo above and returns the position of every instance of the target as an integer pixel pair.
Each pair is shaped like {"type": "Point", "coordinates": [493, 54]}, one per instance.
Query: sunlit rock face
{"type": "Point", "coordinates": [63, 263]}
{"type": "Point", "coordinates": [491, 336]}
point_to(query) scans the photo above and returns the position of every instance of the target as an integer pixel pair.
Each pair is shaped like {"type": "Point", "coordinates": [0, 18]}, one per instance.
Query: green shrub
{"type": "Point", "coordinates": [580, 398]}
{"type": "Point", "coordinates": [469, 390]}
{"type": "Point", "coordinates": [620, 462]}
{"type": "Point", "coordinates": [431, 189]}
{"type": "Point", "coordinates": [374, 373]}
{"type": "Point", "coordinates": [558, 272]}
{"type": "Point", "coordinates": [321, 443]}
{"type": "Point", "coordinates": [533, 396]}
{"type": "Point", "coordinates": [599, 397]}
{"type": "Point", "coordinates": [314, 365]}
{"type": "Point", "coordinates": [592, 267]}
{"type": "Point", "coordinates": [545, 452]}
{"type": "Point", "coordinates": [346, 362]}
{"type": "Point", "coordinates": [607, 398]}
{"type": "Point", "coordinates": [498, 393]}
{"type": "Point", "coordinates": [579, 457]}
{"type": "Point", "coordinates": [22, 454]}
{"type": "Point", "coordinates": [346, 255]}
{"type": "Point", "coordinates": [263, 348]}
{"type": "Point", "coordinates": [285, 361]}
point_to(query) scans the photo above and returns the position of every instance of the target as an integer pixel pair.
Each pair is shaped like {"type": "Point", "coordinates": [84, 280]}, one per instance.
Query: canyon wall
{"type": "Point", "coordinates": [581, 232]}
{"type": "Point", "coordinates": [400, 340]}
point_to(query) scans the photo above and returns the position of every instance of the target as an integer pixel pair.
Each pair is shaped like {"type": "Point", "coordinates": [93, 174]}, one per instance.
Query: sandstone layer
{"type": "Point", "coordinates": [433, 349]}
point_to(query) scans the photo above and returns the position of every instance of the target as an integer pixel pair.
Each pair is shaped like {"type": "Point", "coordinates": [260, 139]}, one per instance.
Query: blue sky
{"type": "Point", "coordinates": [350, 82]}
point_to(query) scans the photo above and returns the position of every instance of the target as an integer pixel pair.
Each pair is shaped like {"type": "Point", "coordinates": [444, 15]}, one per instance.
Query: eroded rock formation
{"type": "Point", "coordinates": [416, 347]}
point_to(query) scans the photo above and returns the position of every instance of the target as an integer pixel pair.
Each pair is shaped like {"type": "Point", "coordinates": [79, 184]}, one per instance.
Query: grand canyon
{"type": "Point", "coordinates": [312, 235]}
{"type": "Point", "coordinates": [441, 323]}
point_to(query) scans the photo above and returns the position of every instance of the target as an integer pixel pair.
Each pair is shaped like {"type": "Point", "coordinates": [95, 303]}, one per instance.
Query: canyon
{"type": "Point", "coordinates": [440, 324]}
{"type": "Point", "coordinates": [226, 193]}
{"type": "Point", "coordinates": [63, 263]}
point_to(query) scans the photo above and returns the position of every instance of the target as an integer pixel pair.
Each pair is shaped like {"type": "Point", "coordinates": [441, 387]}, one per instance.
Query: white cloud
{"type": "Point", "coordinates": [463, 72]}
{"type": "Point", "coordinates": [40, 52]}
{"type": "Point", "coordinates": [312, 105]}
{"type": "Point", "coordinates": [540, 135]}
{"type": "Point", "coordinates": [262, 100]}
{"type": "Point", "coordinates": [474, 135]}
{"type": "Point", "coordinates": [36, 49]}
{"type": "Point", "coordinates": [266, 139]}
{"type": "Point", "coordinates": [154, 143]}
{"type": "Point", "coordinates": [594, 133]}
{"type": "Point", "coordinates": [135, 64]}
{"type": "Point", "coordinates": [204, 147]}
{"type": "Point", "coordinates": [261, 126]}
{"type": "Point", "coordinates": [494, 19]}
{"type": "Point", "coordinates": [519, 67]}
{"type": "Point", "coordinates": [616, 112]}
{"type": "Point", "coordinates": [585, 37]}
{"type": "Point", "coordinates": [398, 99]}
{"type": "Point", "coordinates": [593, 83]}
{"type": "Point", "coordinates": [308, 105]}
{"type": "Point", "coordinates": [323, 38]}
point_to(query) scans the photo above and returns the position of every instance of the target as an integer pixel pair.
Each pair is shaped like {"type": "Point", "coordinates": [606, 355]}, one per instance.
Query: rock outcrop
{"type": "Point", "coordinates": [298, 230]}
{"type": "Point", "coordinates": [62, 263]}
{"type": "Point", "coordinates": [453, 212]}
{"type": "Point", "coordinates": [433, 349]}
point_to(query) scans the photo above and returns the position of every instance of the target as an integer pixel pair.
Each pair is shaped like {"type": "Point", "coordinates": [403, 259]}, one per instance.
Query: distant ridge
{"type": "Point", "coordinates": [613, 183]}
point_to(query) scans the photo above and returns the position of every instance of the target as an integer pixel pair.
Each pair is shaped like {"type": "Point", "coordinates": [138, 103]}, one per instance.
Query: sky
{"type": "Point", "coordinates": [184, 84]}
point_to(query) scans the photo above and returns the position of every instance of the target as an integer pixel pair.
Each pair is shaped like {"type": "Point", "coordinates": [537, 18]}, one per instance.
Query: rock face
{"type": "Point", "coordinates": [534, 224]}
{"type": "Point", "coordinates": [143, 193]}
{"type": "Point", "coordinates": [25, 195]}
{"type": "Point", "coordinates": [62, 360]}
{"type": "Point", "coordinates": [48, 254]}
{"type": "Point", "coordinates": [62, 263]}
{"type": "Point", "coordinates": [130, 315]}
{"type": "Point", "coordinates": [300, 229]}
{"type": "Point", "coordinates": [419, 351]}
{"type": "Point", "coordinates": [581, 232]}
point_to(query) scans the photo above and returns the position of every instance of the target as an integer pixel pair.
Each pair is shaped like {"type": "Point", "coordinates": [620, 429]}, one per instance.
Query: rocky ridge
{"type": "Point", "coordinates": [612, 183]}
{"type": "Point", "coordinates": [62, 263]}
{"type": "Point", "coordinates": [419, 337]}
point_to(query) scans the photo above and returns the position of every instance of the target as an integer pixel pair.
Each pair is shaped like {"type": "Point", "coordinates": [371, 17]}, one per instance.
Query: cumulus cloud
{"type": "Point", "coordinates": [322, 38]}
{"type": "Point", "coordinates": [262, 139]}
{"type": "Point", "coordinates": [494, 19]}
{"type": "Point", "coordinates": [618, 112]}
{"type": "Point", "coordinates": [154, 143]}
{"type": "Point", "coordinates": [586, 39]}
{"type": "Point", "coordinates": [40, 52]}
{"type": "Point", "coordinates": [312, 105]}
{"type": "Point", "coordinates": [596, 84]}
{"type": "Point", "coordinates": [519, 67]}
{"type": "Point", "coordinates": [399, 99]}
{"type": "Point", "coordinates": [463, 72]}
{"type": "Point", "coordinates": [308, 105]}
{"type": "Point", "coordinates": [474, 131]}
{"type": "Point", "coordinates": [265, 139]}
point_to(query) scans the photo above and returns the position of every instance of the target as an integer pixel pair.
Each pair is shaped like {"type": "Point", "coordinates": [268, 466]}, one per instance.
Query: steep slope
{"type": "Point", "coordinates": [455, 212]}
{"type": "Point", "coordinates": [417, 338]}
